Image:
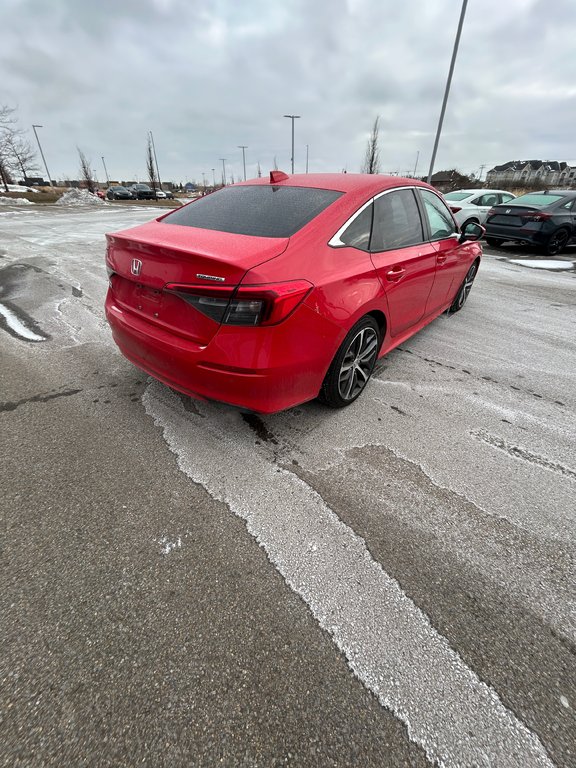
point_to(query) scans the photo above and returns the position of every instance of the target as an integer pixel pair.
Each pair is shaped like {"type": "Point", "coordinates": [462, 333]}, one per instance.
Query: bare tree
{"type": "Point", "coordinates": [7, 130]}
{"type": "Point", "coordinates": [150, 167]}
{"type": "Point", "coordinates": [86, 171]}
{"type": "Point", "coordinates": [372, 156]}
{"type": "Point", "coordinates": [23, 157]}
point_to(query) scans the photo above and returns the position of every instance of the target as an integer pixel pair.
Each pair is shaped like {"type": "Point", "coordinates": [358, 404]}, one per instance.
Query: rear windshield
{"type": "Point", "coordinates": [535, 198]}
{"type": "Point", "coordinates": [457, 195]}
{"type": "Point", "coordinates": [261, 211]}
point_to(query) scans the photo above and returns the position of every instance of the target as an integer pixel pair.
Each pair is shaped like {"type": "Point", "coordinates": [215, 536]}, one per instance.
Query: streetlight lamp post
{"type": "Point", "coordinates": [214, 176]}
{"type": "Point", "coordinates": [306, 158]}
{"type": "Point", "coordinates": [106, 172]}
{"type": "Point", "coordinates": [447, 91]}
{"type": "Point", "coordinates": [42, 153]}
{"type": "Point", "coordinates": [155, 159]}
{"type": "Point", "coordinates": [243, 147]}
{"type": "Point", "coordinates": [292, 117]}
{"type": "Point", "coordinates": [223, 161]}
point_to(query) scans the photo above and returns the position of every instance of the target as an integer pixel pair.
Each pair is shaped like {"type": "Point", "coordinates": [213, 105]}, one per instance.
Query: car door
{"type": "Point", "coordinates": [483, 204]}
{"type": "Point", "coordinates": [452, 259]}
{"type": "Point", "coordinates": [404, 261]}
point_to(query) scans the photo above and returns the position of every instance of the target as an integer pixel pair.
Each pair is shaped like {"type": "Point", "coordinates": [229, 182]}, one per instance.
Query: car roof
{"type": "Point", "coordinates": [482, 191]}
{"type": "Point", "coordinates": [341, 182]}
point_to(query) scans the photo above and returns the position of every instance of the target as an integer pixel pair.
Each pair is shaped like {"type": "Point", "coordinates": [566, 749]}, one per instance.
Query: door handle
{"type": "Point", "coordinates": [441, 258]}
{"type": "Point", "coordinates": [395, 274]}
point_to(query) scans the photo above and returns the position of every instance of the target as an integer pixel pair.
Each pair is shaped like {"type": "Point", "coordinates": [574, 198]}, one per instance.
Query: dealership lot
{"type": "Point", "coordinates": [390, 584]}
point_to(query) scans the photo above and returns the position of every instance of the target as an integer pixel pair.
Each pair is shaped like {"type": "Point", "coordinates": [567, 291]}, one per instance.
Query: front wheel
{"type": "Point", "coordinates": [464, 290]}
{"type": "Point", "coordinates": [353, 364]}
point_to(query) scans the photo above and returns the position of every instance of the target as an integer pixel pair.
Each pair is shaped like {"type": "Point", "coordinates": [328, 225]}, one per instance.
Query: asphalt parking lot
{"type": "Point", "coordinates": [387, 585]}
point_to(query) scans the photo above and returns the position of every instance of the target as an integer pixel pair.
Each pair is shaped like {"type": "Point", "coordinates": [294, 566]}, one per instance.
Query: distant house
{"type": "Point", "coordinates": [530, 173]}
{"type": "Point", "coordinates": [446, 181]}
{"type": "Point", "coordinates": [190, 187]}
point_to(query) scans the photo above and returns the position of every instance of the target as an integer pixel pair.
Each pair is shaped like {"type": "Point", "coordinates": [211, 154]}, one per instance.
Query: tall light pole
{"type": "Point", "coordinates": [155, 159]}
{"type": "Point", "coordinates": [447, 91]}
{"type": "Point", "coordinates": [416, 163]}
{"type": "Point", "coordinates": [243, 147]}
{"type": "Point", "coordinates": [106, 172]}
{"type": "Point", "coordinates": [306, 158]}
{"type": "Point", "coordinates": [214, 176]}
{"type": "Point", "coordinates": [223, 161]}
{"type": "Point", "coordinates": [42, 153]}
{"type": "Point", "coordinates": [292, 117]}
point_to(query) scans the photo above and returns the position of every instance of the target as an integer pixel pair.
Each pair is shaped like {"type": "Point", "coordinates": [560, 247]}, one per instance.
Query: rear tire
{"type": "Point", "coordinates": [468, 221]}
{"type": "Point", "coordinates": [464, 289]}
{"type": "Point", "coordinates": [557, 242]}
{"type": "Point", "coordinates": [353, 364]}
{"type": "Point", "coordinates": [495, 242]}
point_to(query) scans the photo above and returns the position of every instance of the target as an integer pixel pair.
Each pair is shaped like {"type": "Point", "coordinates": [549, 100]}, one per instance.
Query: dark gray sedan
{"type": "Point", "coordinates": [546, 219]}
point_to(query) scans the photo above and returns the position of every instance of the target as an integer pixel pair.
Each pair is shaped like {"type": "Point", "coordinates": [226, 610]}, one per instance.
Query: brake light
{"type": "Point", "coordinates": [455, 209]}
{"type": "Point", "coordinates": [492, 212]}
{"type": "Point", "coordinates": [267, 304]}
{"type": "Point", "coordinates": [536, 216]}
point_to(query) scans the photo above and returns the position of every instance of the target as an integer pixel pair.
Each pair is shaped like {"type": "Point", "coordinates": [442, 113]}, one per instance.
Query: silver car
{"type": "Point", "coordinates": [473, 204]}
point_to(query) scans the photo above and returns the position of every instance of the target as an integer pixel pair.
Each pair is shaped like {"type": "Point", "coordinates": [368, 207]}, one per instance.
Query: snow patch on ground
{"type": "Point", "coordinates": [79, 197]}
{"type": "Point", "coordinates": [14, 201]}
{"type": "Point", "coordinates": [167, 545]}
{"type": "Point", "coordinates": [21, 188]}
{"type": "Point", "coordinates": [17, 326]}
{"type": "Point", "coordinates": [543, 263]}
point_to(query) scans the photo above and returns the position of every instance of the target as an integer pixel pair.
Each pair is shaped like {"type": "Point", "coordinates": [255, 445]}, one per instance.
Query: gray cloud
{"type": "Point", "coordinates": [207, 77]}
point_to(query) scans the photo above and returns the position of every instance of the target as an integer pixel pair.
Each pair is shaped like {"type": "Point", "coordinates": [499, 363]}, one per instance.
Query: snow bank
{"type": "Point", "coordinates": [543, 263]}
{"type": "Point", "coordinates": [79, 197]}
{"type": "Point", "coordinates": [21, 188]}
{"type": "Point", "coordinates": [14, 201]}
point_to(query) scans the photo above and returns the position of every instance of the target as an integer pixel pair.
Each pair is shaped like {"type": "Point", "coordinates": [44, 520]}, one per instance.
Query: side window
{"type": "Point", "coordinates": [357, 235]}
{"type": "Point", "coordinates": [505, 198]}
{"type": "Point", "coordinates": [476, 201]}
{"type": "Point", "coordinates": [397, 222]}
{"type": "Point", "coordinates": [441, 222]}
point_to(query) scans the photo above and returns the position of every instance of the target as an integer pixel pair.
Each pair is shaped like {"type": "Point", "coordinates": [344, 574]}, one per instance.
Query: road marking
{"type": "Point", "coordinates": [387, 640]}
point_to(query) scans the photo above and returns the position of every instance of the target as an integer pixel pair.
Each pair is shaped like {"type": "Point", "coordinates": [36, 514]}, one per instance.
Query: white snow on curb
{"type": "Point", "coordinates": [14, 201]}
{"type": "Point", "coordinates": [387, 640]}
{"type": "Point", "coordinates": [543, 263]}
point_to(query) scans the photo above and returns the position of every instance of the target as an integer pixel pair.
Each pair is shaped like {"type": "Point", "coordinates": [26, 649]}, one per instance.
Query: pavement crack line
{"type": "Point", "coordinates": [43, 398]}
{"type": "Point", "coordinates": [389, 643]}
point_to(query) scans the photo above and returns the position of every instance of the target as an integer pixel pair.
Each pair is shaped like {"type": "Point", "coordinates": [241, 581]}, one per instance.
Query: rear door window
{"type": "Point", "coordinates": [397, 222]}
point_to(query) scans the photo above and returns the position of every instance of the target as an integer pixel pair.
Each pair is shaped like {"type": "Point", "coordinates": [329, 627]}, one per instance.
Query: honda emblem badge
{"type": "Point", "coordinates": [136, 266]}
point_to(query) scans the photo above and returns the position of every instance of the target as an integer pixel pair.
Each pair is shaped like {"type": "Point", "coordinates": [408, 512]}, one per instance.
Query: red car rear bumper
{"type": "Point", "coordinates": [262, 369]}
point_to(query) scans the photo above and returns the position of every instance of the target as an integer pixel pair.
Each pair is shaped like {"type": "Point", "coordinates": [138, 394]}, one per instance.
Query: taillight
{"type": "Point", "coordinates": [455, 209]}
{"type": "Point", "coordinates": [267, 304]}
{"type": "Point", "coordinates": [536, 216]}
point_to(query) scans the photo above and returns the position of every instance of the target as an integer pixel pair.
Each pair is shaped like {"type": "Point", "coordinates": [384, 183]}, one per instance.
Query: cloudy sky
{"type": "Point", "coordinates": [208, 75]}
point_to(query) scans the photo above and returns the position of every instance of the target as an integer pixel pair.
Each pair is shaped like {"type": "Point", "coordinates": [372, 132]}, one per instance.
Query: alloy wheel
{"type": "Point", "coordinates": [358, 363]}
{"type": "Point", "coordinates": [557, 242]}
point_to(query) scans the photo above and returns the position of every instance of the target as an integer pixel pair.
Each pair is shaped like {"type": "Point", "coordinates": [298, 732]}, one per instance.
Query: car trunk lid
{"type": "Point", "coordinates": [142, 261]}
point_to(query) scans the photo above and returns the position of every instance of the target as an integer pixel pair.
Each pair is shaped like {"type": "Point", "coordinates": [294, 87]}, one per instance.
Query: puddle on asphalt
{"type": "Point", "coordinates": [13, 319]}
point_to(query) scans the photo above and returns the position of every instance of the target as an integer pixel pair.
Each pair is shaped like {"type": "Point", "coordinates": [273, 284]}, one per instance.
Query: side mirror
{"type": "Point", "coordinates": [472, 231]}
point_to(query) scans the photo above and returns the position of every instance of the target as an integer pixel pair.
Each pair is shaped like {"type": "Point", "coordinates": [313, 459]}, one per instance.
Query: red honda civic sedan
{"type": "Point", "coordinates": [276, 291]}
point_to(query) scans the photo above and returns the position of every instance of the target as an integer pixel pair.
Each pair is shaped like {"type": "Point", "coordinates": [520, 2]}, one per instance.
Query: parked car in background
{"type": "Point", "coordinates": [143, 192]}
{"type": "Point", "coordinates": [546, 219]}
{"type": "Point", "coordinates": [119, 193]}
{"type": "Point", "coordinates": [169, 194]}
{"type": "Point", "coordinates": [474, 204]}
{"type": "Point", "coordinates": [160, 194]}
{"type": "Point", "coordinates": [100, 193]}
{"type": "Point", "coordinates": [273, 292]}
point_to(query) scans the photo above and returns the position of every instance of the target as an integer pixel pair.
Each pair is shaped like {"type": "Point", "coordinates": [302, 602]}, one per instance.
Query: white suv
{"type": "Point", "coordinates": [473, 204]}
